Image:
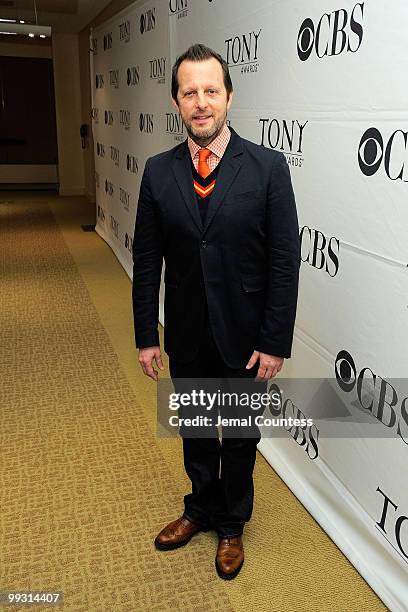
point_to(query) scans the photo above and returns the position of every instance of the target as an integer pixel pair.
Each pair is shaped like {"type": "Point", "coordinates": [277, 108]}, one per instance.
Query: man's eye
{"type": "Point", "coordinates": [188, 94]}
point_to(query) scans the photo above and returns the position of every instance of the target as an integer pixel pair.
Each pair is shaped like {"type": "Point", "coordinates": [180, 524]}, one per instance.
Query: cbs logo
{"type": "Point", "coordinates": [373, 152]}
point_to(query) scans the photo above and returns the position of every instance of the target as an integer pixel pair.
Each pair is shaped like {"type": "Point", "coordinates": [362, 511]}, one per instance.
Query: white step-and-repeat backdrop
{"type": "Point", "coordinates": [326, 83]}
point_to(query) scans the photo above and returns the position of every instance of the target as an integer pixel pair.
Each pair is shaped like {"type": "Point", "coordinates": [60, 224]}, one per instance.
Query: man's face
{"type": "Point", "coordinates": [202, 99]}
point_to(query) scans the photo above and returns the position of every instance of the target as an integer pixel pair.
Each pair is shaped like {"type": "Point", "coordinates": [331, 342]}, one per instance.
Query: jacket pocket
{"type": "Point", "coordinates": [253, 283]}
{"type": "Point", "coordinates": [245, 196]}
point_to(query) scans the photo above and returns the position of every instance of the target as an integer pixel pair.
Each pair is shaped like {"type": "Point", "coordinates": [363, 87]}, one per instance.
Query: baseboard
{"type": "Point", "coordinates": [72, 191]}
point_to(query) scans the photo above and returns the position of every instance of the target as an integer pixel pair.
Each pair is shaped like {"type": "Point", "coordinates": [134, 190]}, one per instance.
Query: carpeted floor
{"type": "Point", "coordinates": [85, 482]}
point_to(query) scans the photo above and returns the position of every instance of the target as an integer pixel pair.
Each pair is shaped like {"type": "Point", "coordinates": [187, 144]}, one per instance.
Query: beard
{"type": "Point", "coordinates": [203, 136]}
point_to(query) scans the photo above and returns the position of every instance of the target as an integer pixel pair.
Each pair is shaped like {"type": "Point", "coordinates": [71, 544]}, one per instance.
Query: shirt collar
{"type": "Point", "coordinates": [216, 146]}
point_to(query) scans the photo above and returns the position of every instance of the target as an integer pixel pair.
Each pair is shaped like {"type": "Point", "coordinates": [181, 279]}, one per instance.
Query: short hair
{"type": "Point", "coordinates": [199, 53]}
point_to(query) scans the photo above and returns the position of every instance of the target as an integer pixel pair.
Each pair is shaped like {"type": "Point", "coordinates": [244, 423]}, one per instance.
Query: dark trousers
{"type": "Point", "coordinates": [220, 471]}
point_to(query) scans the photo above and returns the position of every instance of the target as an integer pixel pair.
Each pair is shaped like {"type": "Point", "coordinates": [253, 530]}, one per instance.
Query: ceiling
{"type": "Point", "coordinates": [62, 15]}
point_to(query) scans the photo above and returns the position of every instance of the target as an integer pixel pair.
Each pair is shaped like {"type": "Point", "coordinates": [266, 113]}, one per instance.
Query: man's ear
{"type": "Point", "coordinates": [230, 100]}
{"type": "Point", "coordinates": [174, 102]}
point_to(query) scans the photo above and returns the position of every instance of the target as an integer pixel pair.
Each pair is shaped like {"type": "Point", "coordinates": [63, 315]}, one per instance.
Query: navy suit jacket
{"type": "Point", "coordinates": [242, 264]}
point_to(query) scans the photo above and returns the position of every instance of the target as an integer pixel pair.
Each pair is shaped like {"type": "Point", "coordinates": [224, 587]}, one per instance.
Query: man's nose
{"type": "Point", "coordinates": [201, 99]}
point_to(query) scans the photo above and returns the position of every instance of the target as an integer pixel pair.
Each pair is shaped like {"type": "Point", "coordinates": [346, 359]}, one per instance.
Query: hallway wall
{"type": "Point", "coordinates": [68, 113]}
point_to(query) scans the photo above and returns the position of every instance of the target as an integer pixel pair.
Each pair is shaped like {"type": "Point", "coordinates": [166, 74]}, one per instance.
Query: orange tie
{"type": "Point", "coordinates": [203, 169]}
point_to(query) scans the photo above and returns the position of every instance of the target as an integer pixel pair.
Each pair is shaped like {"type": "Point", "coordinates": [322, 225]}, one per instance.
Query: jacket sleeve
{"type": "Point", "coordinates": [283, 261]}
{"type": "Point", "coordinates": [147, 266]}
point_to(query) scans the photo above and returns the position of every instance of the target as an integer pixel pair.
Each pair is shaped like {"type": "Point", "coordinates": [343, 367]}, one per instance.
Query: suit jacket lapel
{"type": "Point", "coordinates": [182, 171]}
{"type": "Point", "coordinates": [229, 168]}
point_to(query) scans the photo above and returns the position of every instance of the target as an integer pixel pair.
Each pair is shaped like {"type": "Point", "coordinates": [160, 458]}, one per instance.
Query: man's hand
{"type": "Point", "coordinates": [146, 358]}
{"type": "Point", "coordinates": [269, 365]}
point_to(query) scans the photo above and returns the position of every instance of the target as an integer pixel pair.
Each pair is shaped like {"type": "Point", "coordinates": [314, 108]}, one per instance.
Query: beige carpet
{"type": "Point", "coordinates": [85, 483]}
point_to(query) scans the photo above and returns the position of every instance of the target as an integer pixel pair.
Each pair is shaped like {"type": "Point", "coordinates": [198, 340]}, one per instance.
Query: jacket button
{"type": "Point", "coordinates": [204, 244]}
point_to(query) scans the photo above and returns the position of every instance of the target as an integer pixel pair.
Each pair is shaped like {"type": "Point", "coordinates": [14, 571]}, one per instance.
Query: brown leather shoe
{"type": "Point", "coordinates": [230, 557]}
{"type": "Point", "coordinates": [177, 533]}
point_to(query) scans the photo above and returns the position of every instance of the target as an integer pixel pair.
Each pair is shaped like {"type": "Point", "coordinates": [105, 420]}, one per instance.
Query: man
{"type": "Point", "coordinates": [220, 210]}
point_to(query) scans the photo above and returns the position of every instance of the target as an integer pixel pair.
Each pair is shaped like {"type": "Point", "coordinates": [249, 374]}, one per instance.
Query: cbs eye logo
{"type": "Point", "coordinates": [346, 372]}
{"type": "Point", "coordinates": [392, 154]}
{"type": "Point", "coordinates": [306, 39]}
{"type": "Point", "coordinates": [370, 151]}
